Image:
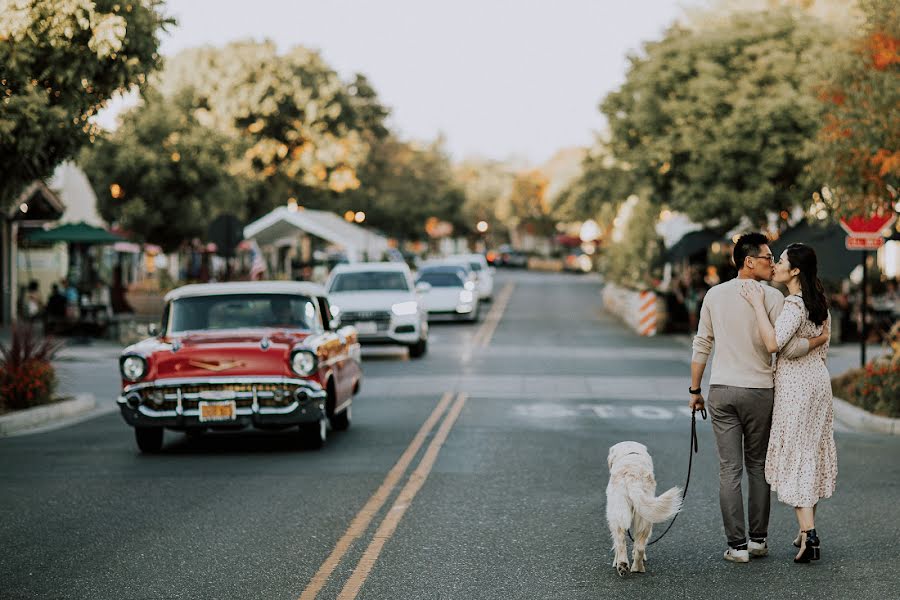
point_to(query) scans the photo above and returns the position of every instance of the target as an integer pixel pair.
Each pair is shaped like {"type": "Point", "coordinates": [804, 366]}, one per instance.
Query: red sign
{"type": "Point", "coordinates": [864, 243]}
{"type": "Point", "coordinates": [867, 227]}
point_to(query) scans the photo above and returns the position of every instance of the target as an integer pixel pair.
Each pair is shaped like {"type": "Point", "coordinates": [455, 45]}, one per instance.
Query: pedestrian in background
{"type": "Point", "coordinates": [741, 393]}
{"type": "Point", "coordinates": [801, 464]}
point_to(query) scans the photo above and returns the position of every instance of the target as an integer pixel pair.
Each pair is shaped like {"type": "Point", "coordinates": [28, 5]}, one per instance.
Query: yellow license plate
{"type": "Point", "coordinates": [217, 411]}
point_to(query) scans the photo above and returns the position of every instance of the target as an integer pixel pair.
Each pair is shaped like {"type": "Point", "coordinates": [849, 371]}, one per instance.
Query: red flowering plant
{"type": "Point", "coordinates": [26, 376]}
{"type": "Point", "coordinates": [875, 388]}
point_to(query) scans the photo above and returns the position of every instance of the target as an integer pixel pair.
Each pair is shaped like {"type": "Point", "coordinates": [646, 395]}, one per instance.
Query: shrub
{"type": "Point", "coordinates": [26, 376]}
{"type": "Point", "coordinates": [875, 388]}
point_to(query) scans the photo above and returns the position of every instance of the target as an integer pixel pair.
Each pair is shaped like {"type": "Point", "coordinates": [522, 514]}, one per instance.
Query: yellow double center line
{"type": "Point", "coordinates": [389, 524]}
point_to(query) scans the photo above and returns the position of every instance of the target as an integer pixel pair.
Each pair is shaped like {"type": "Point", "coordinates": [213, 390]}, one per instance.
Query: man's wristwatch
{"type": "Point", "coordinates": [693, 391]}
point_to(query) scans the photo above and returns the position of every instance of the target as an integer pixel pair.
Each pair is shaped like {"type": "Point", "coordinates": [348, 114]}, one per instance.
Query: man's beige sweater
{"type": "Point", "coordinates": [728, 322]}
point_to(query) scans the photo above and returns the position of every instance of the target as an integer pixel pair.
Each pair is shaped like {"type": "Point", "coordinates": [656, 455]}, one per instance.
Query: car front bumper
{"type": "Point", "coordinates": [267, 402]}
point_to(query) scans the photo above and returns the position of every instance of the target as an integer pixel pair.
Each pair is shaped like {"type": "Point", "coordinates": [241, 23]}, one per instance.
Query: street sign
{"type": "Point", "coordinates": [864, 243]}
{"type": "Point", "coordinates": [867, 227]}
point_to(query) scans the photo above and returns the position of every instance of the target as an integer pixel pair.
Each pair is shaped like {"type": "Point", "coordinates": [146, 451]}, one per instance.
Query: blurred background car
{"type": "Point", "coordinates": [509, 257]}
{"type": "Point", "coordinates": [484, 274]}
{"type": "Point", "coordinates": [451, 294]}
{"type": "Point", "coordinates": [381, 301]}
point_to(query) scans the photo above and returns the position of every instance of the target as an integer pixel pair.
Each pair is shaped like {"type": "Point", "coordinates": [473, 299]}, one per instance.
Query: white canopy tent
{"type": "Point", "coordinates": [357, 242]}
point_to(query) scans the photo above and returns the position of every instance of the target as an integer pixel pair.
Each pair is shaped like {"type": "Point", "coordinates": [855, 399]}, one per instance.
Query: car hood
{"type": "Point", "coordinates": [202, 355]}
{"type": "Point", "coordinates": [442, 298]}
{"type": "Point", "coordinates": [366, 301]}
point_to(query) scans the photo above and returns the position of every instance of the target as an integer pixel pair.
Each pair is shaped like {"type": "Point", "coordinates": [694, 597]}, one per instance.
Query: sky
{"type": "Point", "coordinates": [498, 78]}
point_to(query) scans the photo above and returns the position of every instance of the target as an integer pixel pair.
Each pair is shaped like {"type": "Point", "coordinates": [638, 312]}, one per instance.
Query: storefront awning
{"type": "Point", "coordinates": [835, 261]}
{"type": "Point", "coordinates": [74, 233]}
{"type": "Point", "coordinates": [356, 241]}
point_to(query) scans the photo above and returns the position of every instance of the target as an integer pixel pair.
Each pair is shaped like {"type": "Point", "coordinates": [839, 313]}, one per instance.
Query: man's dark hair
{"type": "Point", "coordinates": [747, 245]}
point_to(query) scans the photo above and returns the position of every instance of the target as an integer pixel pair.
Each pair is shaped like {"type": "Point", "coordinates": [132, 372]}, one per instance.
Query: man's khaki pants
{"type": "Point", "coordinates": [741, 419]}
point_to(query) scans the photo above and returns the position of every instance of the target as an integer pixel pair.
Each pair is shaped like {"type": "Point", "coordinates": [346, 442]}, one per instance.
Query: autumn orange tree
{"type": "Point", "coordinates": [857, 153]}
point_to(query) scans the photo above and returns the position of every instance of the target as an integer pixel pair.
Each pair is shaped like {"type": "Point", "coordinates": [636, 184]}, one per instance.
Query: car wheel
{"type": "Point", "coordinates": [341, 422]}
{"type": "Point", "coordinates": [418, 349]}
{"type": "Point", "coordinates": [149, 439]}
{"type": "Point", "coordinates": [313, 435]}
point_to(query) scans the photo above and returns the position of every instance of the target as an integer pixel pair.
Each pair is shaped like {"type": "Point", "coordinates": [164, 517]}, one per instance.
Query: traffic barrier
{"type": "Point", "coordinates": [644, 311]}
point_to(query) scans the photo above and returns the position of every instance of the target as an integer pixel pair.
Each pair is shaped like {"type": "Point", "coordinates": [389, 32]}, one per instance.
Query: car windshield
{"type": "Point", "coordinates": [442, 278]}
{"type": "Point", "coordinates": [369, 280]}
{"type": "Point", "coordinates": [235, 311]}
{"type": "Point", "coordinates": [476, 266]}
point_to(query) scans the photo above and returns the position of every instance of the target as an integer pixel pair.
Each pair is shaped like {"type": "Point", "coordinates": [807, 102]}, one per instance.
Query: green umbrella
{"type": "Point", "coordinates": [75, 233]}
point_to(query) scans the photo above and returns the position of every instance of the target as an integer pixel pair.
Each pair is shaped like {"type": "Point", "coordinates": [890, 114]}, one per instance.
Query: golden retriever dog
{"type": "Point", "coordinates": [631, 503]}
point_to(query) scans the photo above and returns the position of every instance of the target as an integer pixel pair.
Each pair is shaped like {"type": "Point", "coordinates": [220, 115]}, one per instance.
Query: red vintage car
{"type": "Point", "coordinates": [265, 354]}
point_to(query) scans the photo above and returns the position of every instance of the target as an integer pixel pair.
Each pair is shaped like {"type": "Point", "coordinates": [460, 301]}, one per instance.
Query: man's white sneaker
{"type": "Point", "coordinates": [738, 556]}
{"type": "Point", "coordinates": [758, 549]}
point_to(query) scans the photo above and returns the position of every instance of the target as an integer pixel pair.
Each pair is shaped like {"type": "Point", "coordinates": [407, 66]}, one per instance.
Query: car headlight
{"type": "Point", "coordinates": [133, 367]}
{"type": "Point", "coordinates": [402, 309]}
{"type": "Point", "coordinates": [303, 362]}
{"type": "Point", "coordinates": [465, 296]}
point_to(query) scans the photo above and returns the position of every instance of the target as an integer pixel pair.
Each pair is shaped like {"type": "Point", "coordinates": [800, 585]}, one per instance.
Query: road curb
{"type": "Point", "coordinates": [861, 420]}
{"type": "Point", "coordinates": [38, 416]}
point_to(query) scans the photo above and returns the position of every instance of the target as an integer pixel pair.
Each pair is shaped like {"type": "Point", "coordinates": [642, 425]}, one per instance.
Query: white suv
{"type": "Point", "coordinates": [381, 301]}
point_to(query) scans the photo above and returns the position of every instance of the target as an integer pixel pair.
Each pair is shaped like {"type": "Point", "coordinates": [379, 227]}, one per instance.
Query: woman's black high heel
{"type": "Point", "coordinates": [809, 548]}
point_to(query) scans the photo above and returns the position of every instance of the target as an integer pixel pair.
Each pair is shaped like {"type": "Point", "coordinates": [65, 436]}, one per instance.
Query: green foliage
{"type": "Point", "coordinates": [404, 184]}
{"type": "Point", "coordinates": [602, 183]}
{"type": "Point", "coordinates": [715, 121]}
{"type": "Point", "coordinates": [633, 258]}
{"type": "Point", "coordinates": [857, 152]}
{"type": "Point", "coordinates": [487, 185]}
{"type": "Point", "coordinates": [162, 175]}
{"type": "Point", "coordinates": [299, 129]}
{"type": "Point", "coordinates": [62, 60]}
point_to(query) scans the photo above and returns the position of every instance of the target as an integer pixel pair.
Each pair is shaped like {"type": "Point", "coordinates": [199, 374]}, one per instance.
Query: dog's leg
{"type": "Point", "coordinates": [618, 515]}
{"type": "Point", "coordinates": [620, 562]}
{"type": "Point", "coordinates": [642, 530]}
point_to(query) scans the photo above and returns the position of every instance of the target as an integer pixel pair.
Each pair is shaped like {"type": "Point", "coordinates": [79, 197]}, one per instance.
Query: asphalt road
{"type": "Point", "coordinates": [502, 497]}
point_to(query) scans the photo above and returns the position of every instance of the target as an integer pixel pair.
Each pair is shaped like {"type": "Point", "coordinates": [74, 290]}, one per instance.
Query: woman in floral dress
{"type": "Point", "coordinates": [801, 464]}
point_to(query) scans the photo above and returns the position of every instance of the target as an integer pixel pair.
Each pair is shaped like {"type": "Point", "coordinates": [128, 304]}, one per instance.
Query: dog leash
{"type": "Point", "coordinates": [693, 450]}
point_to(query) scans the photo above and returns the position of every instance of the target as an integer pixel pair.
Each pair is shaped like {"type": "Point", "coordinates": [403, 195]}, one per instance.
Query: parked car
{"type": "Point", "coordinates": [264, 354]}
{"type": "Point", "coordinates": [507, 256]}
{"type": "Point", "coordinates": [484, 274]}
{"type": "Point", "coordinates": [451, 294]}
{"type": "Point", "coordinates": [381, 301]}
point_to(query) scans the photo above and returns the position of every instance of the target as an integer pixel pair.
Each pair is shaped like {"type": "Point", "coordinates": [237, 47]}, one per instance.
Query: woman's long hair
{"type": "Point", "coordinates": [804, 258]}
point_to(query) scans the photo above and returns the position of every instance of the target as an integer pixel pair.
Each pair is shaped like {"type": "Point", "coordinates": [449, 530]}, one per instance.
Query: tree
{"type": "Point", "coordinates": [633, 259]}
{"type": "Point", "coordinates": [405, 184]}
{"type": "Point", "coordinates": [602, 184]}
{"type": "Point", "coordinates": [62, 60]}
{"type": "Point", "coordinates": [162, 175]}
{"type": "Point", "coordinates": [715, 121]}
{"type": "Point", "coordinates": [300, 130]}
{"type": "Point", "coordinates": [487, 185]}
{"type": "Point", "coordinates": [857, 153]}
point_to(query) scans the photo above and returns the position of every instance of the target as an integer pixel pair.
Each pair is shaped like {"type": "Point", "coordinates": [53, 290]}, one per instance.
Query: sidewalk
{"type": "Point", "coordinates": [841, 357]}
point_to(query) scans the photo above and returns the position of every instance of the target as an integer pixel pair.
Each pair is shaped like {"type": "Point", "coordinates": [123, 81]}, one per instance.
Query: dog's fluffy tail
{"type": "Point", "coordinates": [658, 509]}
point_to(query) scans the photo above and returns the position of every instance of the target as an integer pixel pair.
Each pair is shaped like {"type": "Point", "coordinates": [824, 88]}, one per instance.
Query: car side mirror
{"type": "Point", "coordinates": [423, 287]}
{"type": "Point", "coordinates": [153, 330]}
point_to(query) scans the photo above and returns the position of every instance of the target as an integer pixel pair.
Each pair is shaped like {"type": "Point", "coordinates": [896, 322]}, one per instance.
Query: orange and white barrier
{"type": "Point", "coordinates": [644, 311]}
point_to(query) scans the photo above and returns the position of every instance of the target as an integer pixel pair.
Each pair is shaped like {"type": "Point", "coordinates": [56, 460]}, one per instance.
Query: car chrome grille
{"type": "Point", "coordinates": [267, 394]}
{"type": "Point", "coordinates": [381, 318]}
